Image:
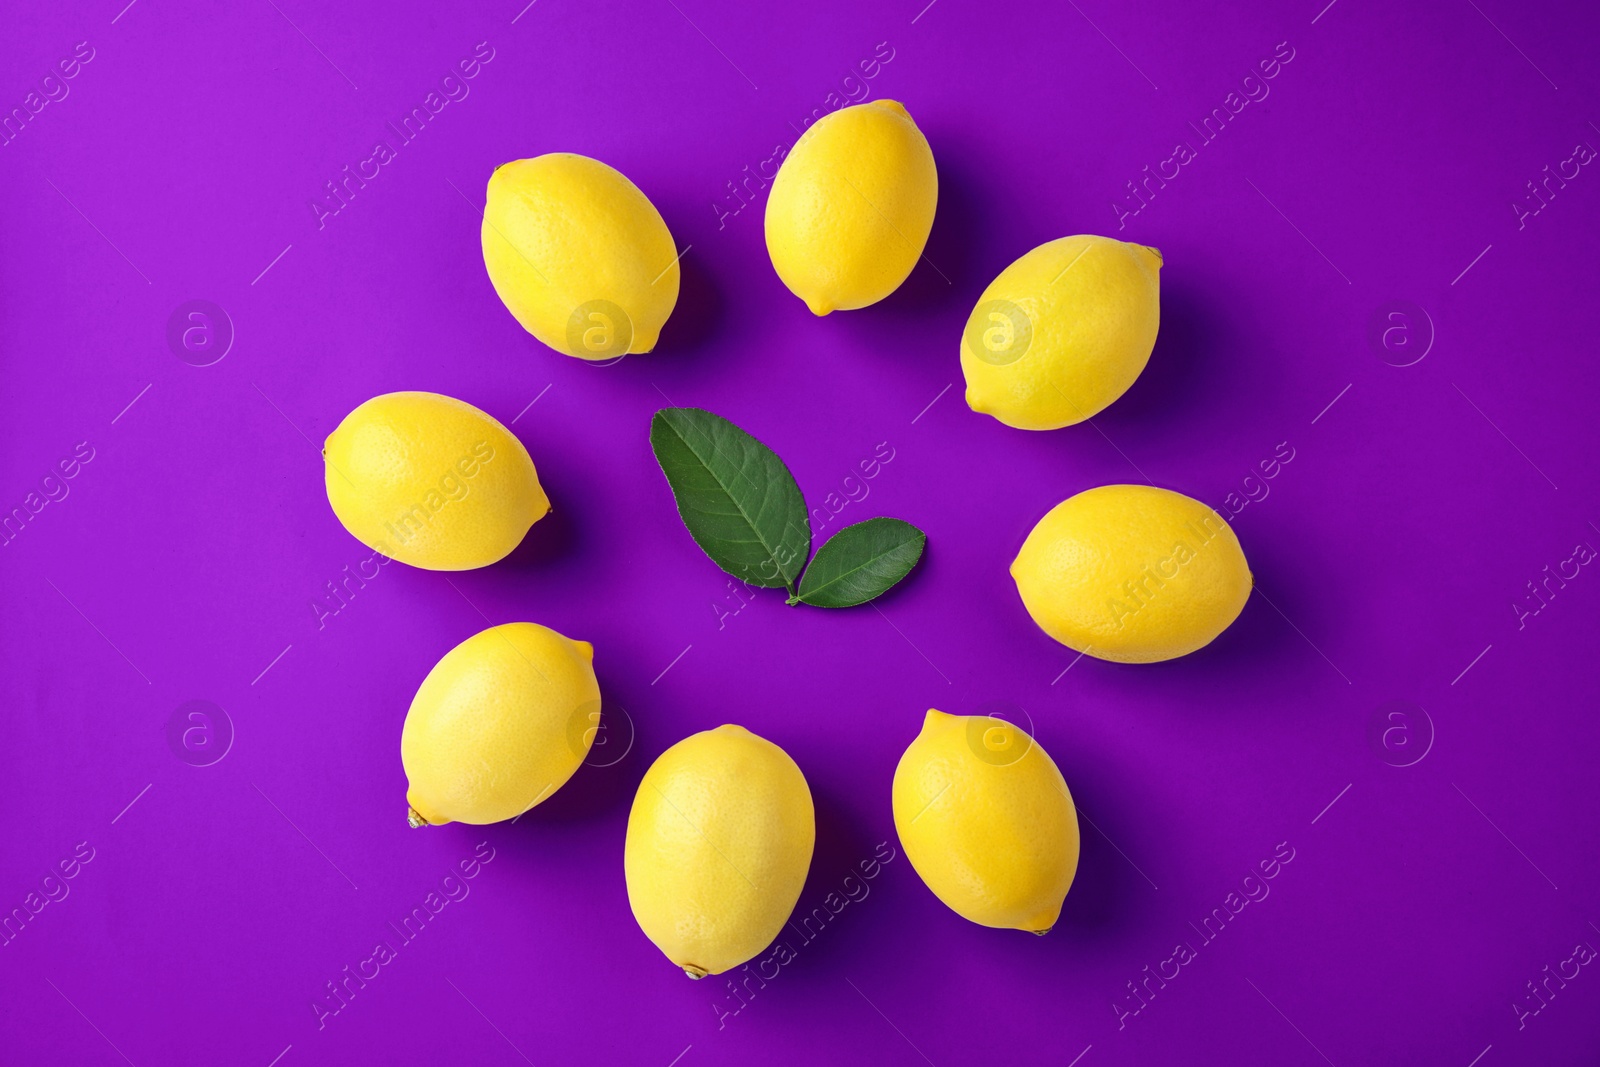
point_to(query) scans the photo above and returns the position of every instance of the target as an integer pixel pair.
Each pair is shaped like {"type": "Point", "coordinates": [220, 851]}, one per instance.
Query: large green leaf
{"type": "Point", "coordinates": [860, 562]}
{"type": "Point", "coordinates": [734, 494]}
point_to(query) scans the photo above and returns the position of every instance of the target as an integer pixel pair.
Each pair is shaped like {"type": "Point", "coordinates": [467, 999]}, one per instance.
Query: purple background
{"type": "Point", "coordinates": [184, 560]}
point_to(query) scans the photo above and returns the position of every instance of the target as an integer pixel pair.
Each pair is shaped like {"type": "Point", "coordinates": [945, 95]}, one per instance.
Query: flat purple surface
{"type": "Point", "coordinates": [1441, 860]}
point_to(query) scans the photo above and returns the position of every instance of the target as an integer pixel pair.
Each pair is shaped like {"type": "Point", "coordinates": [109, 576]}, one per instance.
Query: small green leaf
{"type": "Point", "coordinates": [860, 562]}
{"type": "Point", "coordinates": [739, 501]}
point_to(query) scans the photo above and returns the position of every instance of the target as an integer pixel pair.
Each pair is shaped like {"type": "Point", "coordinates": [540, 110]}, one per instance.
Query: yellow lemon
{"type": "Point", "coordinates": [498, 725]}
{"type": "Point", "coordinates": [431, 481]}
{"type": "Point", "coordinates": [1062, 332]}
{"type": "Point", "coordinates": [851, 207]}
{"type": "Point", "coordinates": [719, 842]}
{"type": "Point", "coordinates": [1132, 573]}
{"type": "Point", "coordinates": [987, 821]}
{"type": "Point", "coordinates": [579, 255]}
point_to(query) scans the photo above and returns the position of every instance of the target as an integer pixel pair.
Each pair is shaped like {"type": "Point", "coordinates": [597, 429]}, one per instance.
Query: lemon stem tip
{"type": "Point", "coordinates": [414, 819]}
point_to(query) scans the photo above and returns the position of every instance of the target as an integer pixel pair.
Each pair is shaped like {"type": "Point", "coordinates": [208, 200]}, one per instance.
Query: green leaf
{"type": "Point", "coordinates": [860, 562]}
{"type": "Point", "coordinates": [739, 501]}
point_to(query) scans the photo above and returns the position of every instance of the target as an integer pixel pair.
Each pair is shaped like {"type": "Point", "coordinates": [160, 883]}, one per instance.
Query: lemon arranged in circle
{"type": "Point", "coordinates": [431, 481]}
{"type": "Point", "coordinates": [852, 206]}
{"type": "Point", "coordinates": [579, 255]}
{"type": "Point", "coordinates": [1132, 573]}
{"type": "Point", "coordinates": [498, 725]}
{"type": "Point", "coordinates": [1062, 332]}
{"type": "Point", "coordinates": [987, 821]}
{"type": "Point", "coordinates": [719, 842]}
